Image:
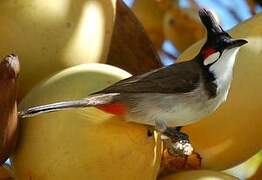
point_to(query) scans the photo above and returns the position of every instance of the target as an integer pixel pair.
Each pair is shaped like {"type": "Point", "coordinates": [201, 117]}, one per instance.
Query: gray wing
{"type": "Point", "coordinates": [178, 78]}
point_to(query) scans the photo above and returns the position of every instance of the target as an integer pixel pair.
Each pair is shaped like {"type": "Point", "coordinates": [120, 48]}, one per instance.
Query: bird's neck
{"type": "Point", "coordinates": [223, 68]}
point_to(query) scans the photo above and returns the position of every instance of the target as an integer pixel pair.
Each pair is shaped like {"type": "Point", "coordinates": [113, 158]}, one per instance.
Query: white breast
{"type": "Point", "coordinates": [223, 69]}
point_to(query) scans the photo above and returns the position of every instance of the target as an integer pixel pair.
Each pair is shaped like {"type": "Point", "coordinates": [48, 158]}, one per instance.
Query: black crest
{"type": "Point", "coordinates": [217, 38]}
{"type": "Point", "coordinates": [210, 22]}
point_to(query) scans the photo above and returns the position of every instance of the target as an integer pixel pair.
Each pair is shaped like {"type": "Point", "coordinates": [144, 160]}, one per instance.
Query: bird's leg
{"type": "Point", "coordinates": [151, 130]}
{"type": "Point", "coordinates": [175, 134]}
{"type": "Point", "coordinates": [178, 128]}
{"type": "Point", "coordinates": [178, 142]}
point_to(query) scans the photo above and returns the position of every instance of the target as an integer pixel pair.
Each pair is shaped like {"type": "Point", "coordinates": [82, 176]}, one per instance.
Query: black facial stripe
{"type": "Point", "coordinates": [209, 78]}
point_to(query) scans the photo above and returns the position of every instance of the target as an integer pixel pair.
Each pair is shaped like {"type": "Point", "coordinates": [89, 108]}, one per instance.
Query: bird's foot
{"type": "Point", "coordinates": [178, 153]}
{"type": "Point", "coordinates": [176, 141]}
{"type": "Point", "coordinates": [182, 148]}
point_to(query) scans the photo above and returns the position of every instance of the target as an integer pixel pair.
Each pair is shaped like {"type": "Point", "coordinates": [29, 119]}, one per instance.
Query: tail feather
{"type": "Point", "coordinates": [99, 99]}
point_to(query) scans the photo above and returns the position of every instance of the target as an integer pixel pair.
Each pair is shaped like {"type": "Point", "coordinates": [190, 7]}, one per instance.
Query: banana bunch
{"type": "Point", "coordinates": [90, 144]}
{"type": "Point", "coordinates": [49, 36]}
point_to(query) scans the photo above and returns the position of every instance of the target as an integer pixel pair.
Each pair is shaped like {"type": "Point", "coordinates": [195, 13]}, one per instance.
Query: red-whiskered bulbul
{"type": "Point", "coordinates": [177, 95]}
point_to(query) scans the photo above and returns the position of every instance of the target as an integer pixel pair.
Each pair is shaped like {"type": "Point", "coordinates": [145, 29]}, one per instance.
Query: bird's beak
{"type": "Point", "coordinates": [236, 43]}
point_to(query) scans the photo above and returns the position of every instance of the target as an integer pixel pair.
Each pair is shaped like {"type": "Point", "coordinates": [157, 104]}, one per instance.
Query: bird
{"type": "Point", "coordinates": [169, 97]}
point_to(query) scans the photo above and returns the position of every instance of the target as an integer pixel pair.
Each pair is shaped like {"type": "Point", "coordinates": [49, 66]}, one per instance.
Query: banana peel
{"type": "Point", "coordinates": [130, 46]}
{"type": "Point", "coordinates": [151, 15]}
{"type": "Point", "coordinates": [257, 175]}
{"type": "Point", "coordinates": [198, 174]}
{"type": "Point", "coordinates": [49, 36]}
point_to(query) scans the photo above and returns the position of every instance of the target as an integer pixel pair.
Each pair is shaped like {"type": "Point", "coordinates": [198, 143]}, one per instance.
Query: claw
{"type": "Point", "coordinates": [178, 142]}
{"type": "Point", "coordinates": [181, 148]}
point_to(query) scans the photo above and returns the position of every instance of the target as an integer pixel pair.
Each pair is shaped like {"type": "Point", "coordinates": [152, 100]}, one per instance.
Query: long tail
{"type": "Point", "coordinates": [58, 106]}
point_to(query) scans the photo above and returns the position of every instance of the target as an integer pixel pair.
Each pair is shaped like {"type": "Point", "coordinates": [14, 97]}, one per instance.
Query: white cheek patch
{"type": "Point", "coordinates": [212, 58]}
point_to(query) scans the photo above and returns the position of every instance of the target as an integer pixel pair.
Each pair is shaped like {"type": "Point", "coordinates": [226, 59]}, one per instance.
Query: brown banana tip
{"type": "Point", "coordinates": [11, 64]}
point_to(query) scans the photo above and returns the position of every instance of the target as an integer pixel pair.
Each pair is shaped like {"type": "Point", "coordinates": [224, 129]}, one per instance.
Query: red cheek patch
{"type": "Point", "coordinates": [115, 108]}
{"type": "Point", "coordinates": [207, 52]}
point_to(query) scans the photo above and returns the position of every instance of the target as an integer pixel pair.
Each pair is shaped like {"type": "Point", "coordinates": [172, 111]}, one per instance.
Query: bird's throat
{"type": "Point", "coordinates": [223, 67]}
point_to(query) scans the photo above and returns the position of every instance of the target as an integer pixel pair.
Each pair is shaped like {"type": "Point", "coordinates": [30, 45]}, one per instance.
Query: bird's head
{"type": "Point", "coordinates": [219, 44]}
